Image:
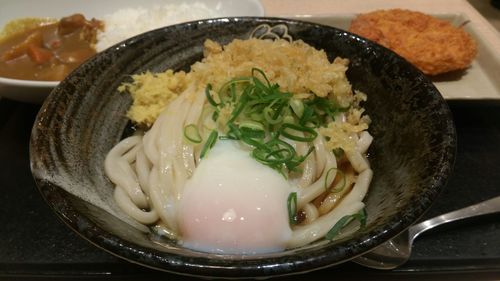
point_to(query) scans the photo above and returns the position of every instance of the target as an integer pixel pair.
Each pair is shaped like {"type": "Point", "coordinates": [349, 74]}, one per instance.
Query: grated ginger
{"type": "Point", "coordinates": [151, 92]}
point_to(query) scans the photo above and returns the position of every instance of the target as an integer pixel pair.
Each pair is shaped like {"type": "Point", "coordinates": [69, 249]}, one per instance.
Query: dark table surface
{"type": "Point", "coordinates": [36, 245]}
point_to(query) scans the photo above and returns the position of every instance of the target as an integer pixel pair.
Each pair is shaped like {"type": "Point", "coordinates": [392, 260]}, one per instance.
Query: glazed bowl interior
{"type": "Point", "coordinates": [412, 154]}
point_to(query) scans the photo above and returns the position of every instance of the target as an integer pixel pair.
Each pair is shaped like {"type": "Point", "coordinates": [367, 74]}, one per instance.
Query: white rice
{"type": "Point", "coordinates": [128, 22]}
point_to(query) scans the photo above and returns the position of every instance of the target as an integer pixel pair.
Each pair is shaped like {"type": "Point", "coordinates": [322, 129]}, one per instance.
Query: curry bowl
{"type": "Point", "coordinates": [412, 154]}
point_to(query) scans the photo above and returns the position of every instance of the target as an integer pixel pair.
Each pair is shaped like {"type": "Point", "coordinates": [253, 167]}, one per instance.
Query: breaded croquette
{"type": "Point", "coordinates": [433, 45]}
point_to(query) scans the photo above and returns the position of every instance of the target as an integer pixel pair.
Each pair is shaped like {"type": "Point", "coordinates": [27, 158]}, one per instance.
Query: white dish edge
{"type": "Point", "coordinates": [477, 83]}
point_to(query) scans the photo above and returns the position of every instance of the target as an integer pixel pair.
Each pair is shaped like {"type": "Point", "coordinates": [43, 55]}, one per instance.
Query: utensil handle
{"type": "Point", "coordinates": [484, 208]}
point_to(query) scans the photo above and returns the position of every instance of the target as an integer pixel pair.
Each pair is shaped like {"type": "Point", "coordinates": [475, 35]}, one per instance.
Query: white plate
{"type": "Point", "coordinates": [36, 91]}
{"type": "Point", "coordinates": [480, 81]}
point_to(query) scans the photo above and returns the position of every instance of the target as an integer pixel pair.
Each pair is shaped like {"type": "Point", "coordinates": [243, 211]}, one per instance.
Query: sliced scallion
{"type": "Point", "coordinates": [309, 133]}
{"type": "Point", "coordinates": [345, 220]}
{"type": "Point", "coordinates": [252, 125]}
{"type": "Point", "coordinates": [210, 99]}
{"type": "Point", "coordinates": [263, 116]}
{"type": "Point", "coordinates": [192, 134]}
{"type": "Point", "coordinates": [269, 116]}
{"type": "Point", "coordinates": [327, 178]}
{"type": "Point", "coordinates": [212, 138]}
{"type": "Point", "coordinates": [292, 208]}
{"type": "Point", "coordinates": [341, 186]}
{"type": "Point", "coordinates": [261, 73]}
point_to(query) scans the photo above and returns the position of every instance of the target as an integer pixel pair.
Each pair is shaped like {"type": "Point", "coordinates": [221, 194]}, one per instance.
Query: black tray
{"type": "Point", "coordinates": [34, 244]}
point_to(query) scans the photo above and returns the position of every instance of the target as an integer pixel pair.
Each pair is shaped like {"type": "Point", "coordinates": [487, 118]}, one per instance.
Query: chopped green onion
{"type": "Point", "coordinates": [252, 129]}
{"type": "Point", "coordinates": [209, 96]}
{"type": "Point", "coordinates": [337, 189]}
{"type": "Point", "coordinates": [227, 93]}
{"type": "Point", "coordinates": [239, 107]}
{"type": "Point", "coordinates": [278, 156]}
{"type": "Point", "coordinates": [334, 231]}
{"type": "Point", "coordinates": [309, 133]}
{"type": "Point", "coordinates": [345, 220]}
{"type": "Point", "coordinates": [361, 217]}
{"type": "Point", "coordinates": [297, 107]}
{"type": "Point", "coordinates": [245, 135]}
{"type": "Point", "coordinates": [233, 92]}
{"type": "Point", "coordinates": [261, 73]}
{"type": "Point", "coordinates": [192, 134]}
{"type": "Point", "coordinates": [262, 116]}
{"type": "Point", "coordinates": [269, 116]}
{"type": "Point", "coordinates": [215, 115]}
{"type": "Point", "coordinates": [342, 186]}
{"type": "Point", "coordinates": [251, 141]}
{"type": "Point", "coordinates": [255, 106]}
{"type": "Point", "coordinates": [327, 178]}
{"type": "Point", "coordinates": [292, 208]}
{"type": "Point", "coordinates": [307, 115]}
{"type": "Point", "coordinates": [252, 133]}
{"type": "Point", "coordinates": [291, 165]}
{"type": "Point", "coordinates": [252, 125]}
{"type": "Point", "coordinates": [212, 138]}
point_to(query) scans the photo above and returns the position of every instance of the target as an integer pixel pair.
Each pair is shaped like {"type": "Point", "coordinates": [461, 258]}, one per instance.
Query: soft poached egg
{"type": "Point", "coordinates": [234, 204]}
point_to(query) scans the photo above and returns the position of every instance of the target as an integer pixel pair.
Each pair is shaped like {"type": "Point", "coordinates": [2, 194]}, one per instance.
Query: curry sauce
{"type": "Point", "coordinates": [49, 52]}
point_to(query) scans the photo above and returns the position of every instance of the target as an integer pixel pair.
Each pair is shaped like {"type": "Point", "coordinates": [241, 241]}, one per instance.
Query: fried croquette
{"type": "Point", "coordinates": [432, 45]}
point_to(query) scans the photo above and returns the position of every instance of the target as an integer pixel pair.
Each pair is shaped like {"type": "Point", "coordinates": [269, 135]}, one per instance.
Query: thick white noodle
{"type": "Point", "coordinates": [193, 117]}
{"type": "Point", "coordinates": [350, 205]}
{"type": "Point", "coordinates": [319, 152]}
{"type": "Point", "coordinates": [124, 202]}
{"type": "Point", "coordinates": [359, 189]}
{"type": "Point", "coordinates": [364, 142]}
{"type": "Point", "coordinates": [308, 166]}
{"type": "Point", "coordinates": [171, 144]}
{"type": "Point", "coordinates": [121, 173]}
{"type": "Point", "coordinates": [143, 169]}
{"type": "Point", "coordinates": [307, 194]}
{"type": "Point", "coordinates": [150, 172]}
{"type": "Point", "coordinates": [358, 161]}
{"type": "Point", "coordinates": [170, 172]}
{"type": "Point", "coordinates": [130, 155]}
{"type": "Point", "coordinates": [311, 213]}
{"type": "Point", "coordinates": [159, 188]}
{"type": "Point", "coordinates": [150, 139]}
{"type": "Point", "coordinates": [333, 198]}
{"type": "Point", "coordinates": [164, 207]}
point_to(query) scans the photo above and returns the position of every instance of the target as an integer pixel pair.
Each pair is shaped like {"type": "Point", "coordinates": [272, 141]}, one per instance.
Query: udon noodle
{"type": "Point", "coordinates": [328, 172]}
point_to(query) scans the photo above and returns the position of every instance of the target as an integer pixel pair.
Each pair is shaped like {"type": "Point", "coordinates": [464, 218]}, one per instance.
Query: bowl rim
{"type": "Point", "coordinates": [251, 267]}
{"type": "Point", "coordinates": [28, 83]}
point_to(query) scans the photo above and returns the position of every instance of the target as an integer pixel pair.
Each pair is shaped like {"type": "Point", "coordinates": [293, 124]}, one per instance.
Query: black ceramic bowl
{"type": "Point", "coordinates": [412, 154]}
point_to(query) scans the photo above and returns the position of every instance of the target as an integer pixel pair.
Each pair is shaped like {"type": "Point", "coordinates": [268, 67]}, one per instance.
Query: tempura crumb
{"type": "Point", "coordinates": [297, 67]}
{"type": "Point", "coordinates": [343, 134]}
